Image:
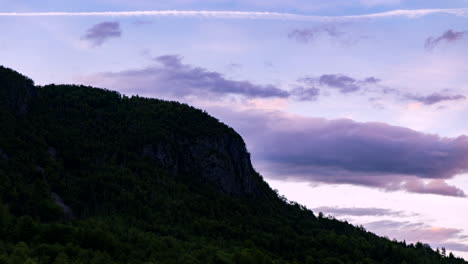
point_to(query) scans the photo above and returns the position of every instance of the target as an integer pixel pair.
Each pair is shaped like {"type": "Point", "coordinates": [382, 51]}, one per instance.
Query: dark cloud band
{"type": "Point", "coordinates": [347, 152]}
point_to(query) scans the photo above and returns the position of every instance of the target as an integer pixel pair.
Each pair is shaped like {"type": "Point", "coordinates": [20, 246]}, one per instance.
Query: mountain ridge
{"type": "Point", "coordinates": [150, 181]}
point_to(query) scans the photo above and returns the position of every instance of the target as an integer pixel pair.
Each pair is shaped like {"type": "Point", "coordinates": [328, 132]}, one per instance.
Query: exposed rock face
{"type": "Point", "coordinates": [68, 212]}
{"type": "Point", "coordinates": [221, 160]}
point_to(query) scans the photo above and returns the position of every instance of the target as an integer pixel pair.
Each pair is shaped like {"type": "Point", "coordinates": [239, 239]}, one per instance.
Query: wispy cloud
{"type": "Point", "coordinates": [333, 31]}
{"type": "Point", "coordinates": [171, 78]}
{"type": "Point", "coordinates": [101, 32]}
{"type": "Point", "coordinates": [447, 36]}
{"type": "Point", "coordinates": [453, 246]}
{"type": "Point", "coordinates": [359, 211]}
{"type": "Point", "coordinates": [343, 83]}
{"type": "Point", "coordinates": [251, 15]}
{"type": "Point", "coordinates": [417, 231]}
{"type": "Point", "coordinates": [301, 93]}
{"type": "Point", "coordinates": [310, 34]}
{"type": "Point", "coordinates": [434, 98]}
{"type": "Point", "coordinates": [371, 85]}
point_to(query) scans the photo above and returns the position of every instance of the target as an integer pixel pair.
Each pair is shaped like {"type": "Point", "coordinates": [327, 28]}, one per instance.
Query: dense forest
{"type": "Point", "coordinates": [91, 176]}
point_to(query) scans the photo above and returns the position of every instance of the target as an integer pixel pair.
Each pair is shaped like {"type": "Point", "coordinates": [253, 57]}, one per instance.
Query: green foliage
{"type": "Point", "coordinates": [86, 145]}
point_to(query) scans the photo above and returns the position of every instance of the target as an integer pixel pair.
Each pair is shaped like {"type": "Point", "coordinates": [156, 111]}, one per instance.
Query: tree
{"type": "Point", "coordinates": [61, 258]}
{"type": "Point", "coordinates": [30, 261]}
{"type": "Point", "coordinates": [20, 254]}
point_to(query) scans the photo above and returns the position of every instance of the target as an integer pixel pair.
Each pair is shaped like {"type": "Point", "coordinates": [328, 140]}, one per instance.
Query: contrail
{"type": "Point", "coordinates": [248, 15]}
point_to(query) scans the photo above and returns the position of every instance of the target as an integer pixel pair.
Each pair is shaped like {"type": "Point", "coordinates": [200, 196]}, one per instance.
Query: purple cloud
{"type": "Point", "coordinates": [447, 36]}
{"type": "Point", "coordinates": [454, 246]}
{"type": "Point", "coordinates": [449, 238]}
{"type": "Point", "coordinates": [330, 30]}
{"type": "Point", "coordinates": [171, 78]}
{"type": "Point", "coordinates": [347, 152]}
{"type": "Point", "coordinates": [434, 186]}
{"type": "Point", "coordinates": [371, 80]}
{"type": "Point", "coordinates": [434, 98]}
{"type": "Point", "coordinates": [356, 211]}
{"type": "Point", "coordinates": [347, 85]}
{"type": "Point", "coordinates": [342, 83]}
{"type": "Point", "coordinates": [100, 33]}
{"type": "Point", "coordinates": [305, 94]}
{"type": "Point", "coordinates": [414, 232]}
{"type": "Point", "coordinates": [310, 34]}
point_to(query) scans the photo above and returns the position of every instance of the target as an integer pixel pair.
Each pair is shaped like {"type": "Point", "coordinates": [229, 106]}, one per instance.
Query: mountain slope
{"type": "Point", "coordinates": [90, 176]}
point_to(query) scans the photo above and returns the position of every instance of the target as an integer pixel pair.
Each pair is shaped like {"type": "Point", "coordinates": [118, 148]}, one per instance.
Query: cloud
{"type": "Point", "coordinates": [170, 77]}
{"type": "Point", "coordinates": [389, 224]}
{"type": "Point", "coordinates": [347, 85]}
{"type": "Point", "coordinates": [434, 186]}
{"type": "Point", "coordinates": [100, 33]}
{"type": "Point", "coordinates": [330, 30]}
{"type": "Point", "coordinates": [414, 232]}
{"type": "Point", "coordinates": [434, 98]}
{"type": "Point", "coordinates": [414, 13]}
{"type": "Point", "coordinates": [305, 94]}
{"type": "Point", "coordinates": [357, 211]}
{"type": "Point", "coordinates": [454, 246]}
{"type": "Point", "coordinates": [343, 83]}
{"type": "Point", "coordinates": [449, 238]}
{"type": "Point", "coordinates": [448, 36]}
{"type": "Point", "coordinates": [347, 152]}
{"type": "Point", "coordinates": [310, 34]}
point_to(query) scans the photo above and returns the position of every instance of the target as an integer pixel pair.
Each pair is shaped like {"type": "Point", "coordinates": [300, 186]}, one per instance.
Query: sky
{"type": "Point", "coordinates": [353, 108]}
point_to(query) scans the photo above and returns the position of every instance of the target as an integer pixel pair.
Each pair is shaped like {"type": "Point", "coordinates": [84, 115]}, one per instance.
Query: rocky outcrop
{"type": "Point", "coordinates": [221, 160]}
{"type": "Point", "coordinates": [67, 211]}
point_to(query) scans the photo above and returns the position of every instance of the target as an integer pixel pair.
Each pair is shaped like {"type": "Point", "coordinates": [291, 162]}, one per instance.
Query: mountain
{"type": "Point", "coordinates": [91, 176]}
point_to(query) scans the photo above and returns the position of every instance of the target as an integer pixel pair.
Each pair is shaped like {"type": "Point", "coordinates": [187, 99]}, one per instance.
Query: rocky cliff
{"type": "Point", "coordinates": [222, 160]}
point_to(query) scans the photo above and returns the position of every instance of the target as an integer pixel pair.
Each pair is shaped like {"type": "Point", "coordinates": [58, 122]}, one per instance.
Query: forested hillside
{"type": "Point", "coordinates": [91, 176]}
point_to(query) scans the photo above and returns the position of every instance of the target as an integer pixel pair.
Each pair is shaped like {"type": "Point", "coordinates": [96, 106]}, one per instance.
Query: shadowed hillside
{"type": "Point", "coordinates": [90, 176]}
